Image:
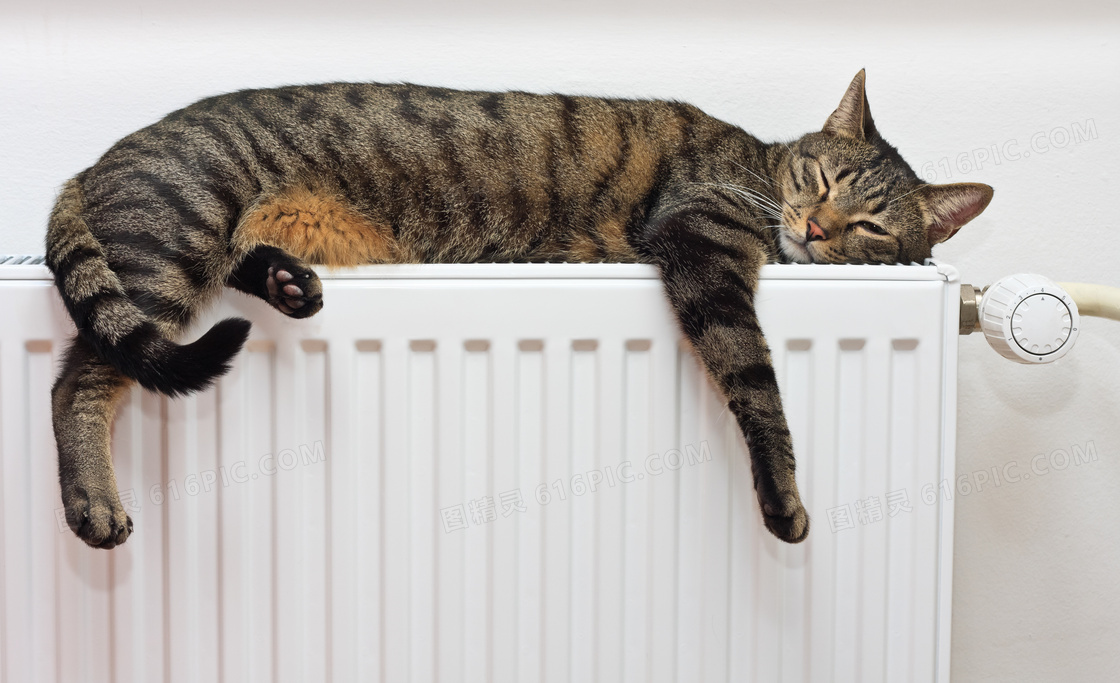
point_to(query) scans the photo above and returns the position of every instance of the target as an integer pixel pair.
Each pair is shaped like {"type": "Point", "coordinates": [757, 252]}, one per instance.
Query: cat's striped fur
{"type": "Point", "coordinates": [247, 189]}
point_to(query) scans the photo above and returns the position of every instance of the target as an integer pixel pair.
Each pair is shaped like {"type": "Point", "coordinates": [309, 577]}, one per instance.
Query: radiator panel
{"type": "Point", "coordinates": [385, 491]}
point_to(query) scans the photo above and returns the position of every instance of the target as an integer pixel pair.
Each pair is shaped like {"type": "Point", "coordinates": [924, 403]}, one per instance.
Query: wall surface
{"type": "Point", "coordinates": [1022, 96]}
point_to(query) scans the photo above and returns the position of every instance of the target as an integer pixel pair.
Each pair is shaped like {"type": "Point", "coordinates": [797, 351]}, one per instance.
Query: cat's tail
{"type": "Point", "coordinates": [114, 325]}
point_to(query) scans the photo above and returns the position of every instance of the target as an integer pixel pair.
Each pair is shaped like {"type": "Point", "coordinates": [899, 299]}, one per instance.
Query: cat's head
{"type": "Point", "coordinates": [848, 197]}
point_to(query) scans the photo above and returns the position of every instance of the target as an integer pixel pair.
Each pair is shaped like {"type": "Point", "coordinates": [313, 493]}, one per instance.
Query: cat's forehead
{"type": "Point", "coordinates": [835, 148]}
{"type": "Point", "coordinates": [879, 158]}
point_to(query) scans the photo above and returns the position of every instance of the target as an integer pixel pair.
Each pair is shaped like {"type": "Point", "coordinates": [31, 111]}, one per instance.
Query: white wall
{"type": "Point", "coordinates": [1036, 597]}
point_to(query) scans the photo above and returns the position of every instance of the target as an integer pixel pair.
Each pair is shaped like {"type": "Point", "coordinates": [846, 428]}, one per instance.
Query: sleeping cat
{"type": "Point", "coordinates": [246, 190]}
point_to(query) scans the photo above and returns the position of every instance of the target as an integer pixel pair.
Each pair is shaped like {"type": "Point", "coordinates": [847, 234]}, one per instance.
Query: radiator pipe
{"type": "Point", "coordinates": [1100, 301]}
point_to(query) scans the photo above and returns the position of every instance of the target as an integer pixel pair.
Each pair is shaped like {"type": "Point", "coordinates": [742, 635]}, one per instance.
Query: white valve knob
{"type": "Point", "coordinates": [1029, 319]}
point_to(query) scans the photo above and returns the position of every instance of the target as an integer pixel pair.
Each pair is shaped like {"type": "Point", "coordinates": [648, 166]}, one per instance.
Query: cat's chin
{"type": "Point", "coordinates": [793, 250]}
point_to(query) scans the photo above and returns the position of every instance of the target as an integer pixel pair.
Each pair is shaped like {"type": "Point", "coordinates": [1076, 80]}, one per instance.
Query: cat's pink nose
{"type": "Point", "coordinates": [815, 232]}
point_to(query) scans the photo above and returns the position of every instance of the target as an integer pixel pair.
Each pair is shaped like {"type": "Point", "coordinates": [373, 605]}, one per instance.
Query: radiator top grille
{"type": "Point", "coordinates": [21, 259]}
{"type": "Point", "coordinates": [33, 267]}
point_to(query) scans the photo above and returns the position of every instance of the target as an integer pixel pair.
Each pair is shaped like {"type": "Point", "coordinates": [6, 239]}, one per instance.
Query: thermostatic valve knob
{"type": "Point", "coordinates": [1029, 319]}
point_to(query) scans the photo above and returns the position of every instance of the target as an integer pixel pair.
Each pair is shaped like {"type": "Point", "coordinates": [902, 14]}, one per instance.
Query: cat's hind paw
{"type": "Point", "coordinates": [294, 290]}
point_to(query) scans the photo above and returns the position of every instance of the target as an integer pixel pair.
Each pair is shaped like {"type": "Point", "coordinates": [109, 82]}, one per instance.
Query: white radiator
{"type": "Point", "coordinates": [399, 489]}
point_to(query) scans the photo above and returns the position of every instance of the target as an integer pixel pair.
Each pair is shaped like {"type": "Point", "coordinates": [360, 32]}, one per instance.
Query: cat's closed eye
{"type": "Point", "coordinates": [870, 227]}
{"type": "Point", "coordinates": [823, 179]}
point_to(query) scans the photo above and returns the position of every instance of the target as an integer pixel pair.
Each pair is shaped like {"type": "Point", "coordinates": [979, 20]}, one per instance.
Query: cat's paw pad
{"type": "Point", "coordinates": [98, 518]}
{"type": "Point", "coordinates": [294, 290]}
{"type": "Point", "coordinates": [786, 518]}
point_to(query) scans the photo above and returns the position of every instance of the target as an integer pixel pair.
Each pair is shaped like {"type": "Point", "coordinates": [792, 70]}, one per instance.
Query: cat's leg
{"type": "Point", "coordinates": [709, 265]}
{"type": "Point", "coordinates": [284, 281]}
{"type": "Point", "coordinates": [84, 399]}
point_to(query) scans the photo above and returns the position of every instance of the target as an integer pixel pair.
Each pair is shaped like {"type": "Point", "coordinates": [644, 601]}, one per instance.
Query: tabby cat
{"type": "Point", "coordinates": [246, 190]}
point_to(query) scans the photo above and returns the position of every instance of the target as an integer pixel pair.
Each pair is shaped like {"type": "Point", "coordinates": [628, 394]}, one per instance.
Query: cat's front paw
{"type": "Point", "coordinates": [98, 518]}
{"type": "Point", "coordinates": [785, 516]}
{"type": "Point", "coordinates": [294, 290]}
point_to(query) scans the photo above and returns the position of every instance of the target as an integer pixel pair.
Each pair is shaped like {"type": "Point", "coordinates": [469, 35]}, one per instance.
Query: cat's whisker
{"type": "Point", "coordinates": [743, 188]}
{"type": "Point", "coordinates": [746, 192]}
{"type": "Point", "coordinates": [740, 188]}
{"type": "Point", "coordinates": [754, 196]}
{"type": "Point", "coordinates": [760, 202]}
{"type": "Point", "coordinates": [757, 195]}
{"type": "Point", "coordinates": [722, 413]}
{"type": "Point", "coordinates": [905, 195]}
{"type": "Point", "coordinates": [767, 209]}
{"type": "Point", "coordinates": [760, 178]}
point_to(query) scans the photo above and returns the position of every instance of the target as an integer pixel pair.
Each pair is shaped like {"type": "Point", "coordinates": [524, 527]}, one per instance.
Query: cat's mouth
{"type": "Point", "coordinates": [794, 249]}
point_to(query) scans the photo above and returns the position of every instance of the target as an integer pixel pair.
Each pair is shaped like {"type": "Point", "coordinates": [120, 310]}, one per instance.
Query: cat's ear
{"type": "Point", "coordinates": [852, 119]}
{"type": "Point", "coordinates": [948, 207]}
